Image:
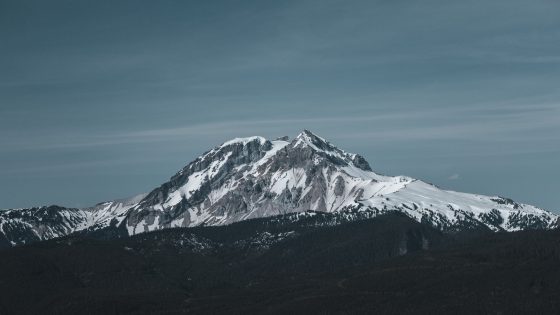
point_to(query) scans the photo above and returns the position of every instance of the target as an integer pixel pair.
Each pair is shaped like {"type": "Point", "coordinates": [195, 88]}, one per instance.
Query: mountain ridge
{"type": "Point", "coordinates": [253, 177]}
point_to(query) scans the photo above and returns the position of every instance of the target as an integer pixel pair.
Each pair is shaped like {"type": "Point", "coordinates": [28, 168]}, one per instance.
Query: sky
{"type": "Point", "coordinates": [107, 99]}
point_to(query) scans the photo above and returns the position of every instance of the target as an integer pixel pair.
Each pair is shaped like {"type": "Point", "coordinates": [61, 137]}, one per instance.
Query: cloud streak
{"type": "Point", "coordinates": [454, 177]}
{"type": "Point", "coordinates": [489, 124]}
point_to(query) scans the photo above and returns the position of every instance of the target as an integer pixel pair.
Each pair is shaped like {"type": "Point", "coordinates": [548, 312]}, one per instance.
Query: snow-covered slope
{"type": "Point", "coordinates": [252, 178]}
{"type": "Point", "coordinates": [21, 226]}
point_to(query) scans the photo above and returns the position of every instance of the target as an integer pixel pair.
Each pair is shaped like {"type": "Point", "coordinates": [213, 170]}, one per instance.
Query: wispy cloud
{"type": "Point", "coordinates": [482, 124]}
{"type": "Point", "coordinates": [454, 177]}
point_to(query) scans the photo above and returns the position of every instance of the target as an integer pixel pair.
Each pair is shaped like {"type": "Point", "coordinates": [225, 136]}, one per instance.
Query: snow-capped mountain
{"type": "Point", "coordinates": [253, 177]}
{"type": "Point", "coordinates": [21, 226]}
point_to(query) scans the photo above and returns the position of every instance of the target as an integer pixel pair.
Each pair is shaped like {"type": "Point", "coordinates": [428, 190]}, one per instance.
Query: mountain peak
{"type": "Point", "coordinates": [308, 138]}
{"type": "Point", "coordinates": [307, 134]}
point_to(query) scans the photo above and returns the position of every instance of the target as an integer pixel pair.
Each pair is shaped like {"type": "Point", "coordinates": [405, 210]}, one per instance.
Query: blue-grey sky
{"type": "Point", "coordinates": [106, 99]}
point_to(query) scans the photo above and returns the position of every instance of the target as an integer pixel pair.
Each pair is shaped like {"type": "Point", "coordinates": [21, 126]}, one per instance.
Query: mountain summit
{"type": "Point", "coordinates": [253, 177]}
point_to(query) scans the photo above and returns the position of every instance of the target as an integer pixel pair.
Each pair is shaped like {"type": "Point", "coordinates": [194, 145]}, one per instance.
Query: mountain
{"type": "Point", "coordinates": [248, 178]}
{"type": "Point", "coordinates": [22, 226]}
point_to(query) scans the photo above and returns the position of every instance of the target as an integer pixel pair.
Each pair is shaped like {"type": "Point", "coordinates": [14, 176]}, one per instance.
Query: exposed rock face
{"type": "Point", "coordinates": [253, 177]}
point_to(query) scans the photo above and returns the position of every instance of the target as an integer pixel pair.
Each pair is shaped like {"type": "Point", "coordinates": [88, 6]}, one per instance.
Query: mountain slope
{"type": "Point", "coordinates": [253, 177]}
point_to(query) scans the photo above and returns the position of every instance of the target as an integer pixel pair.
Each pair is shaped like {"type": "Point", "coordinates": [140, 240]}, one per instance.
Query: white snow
{"type": "Point", "coordinates": [295, 178]}
{"type": "Point", "coordinates": [195, 181]}
{"type": "Point", "coordinates": [244, 141]}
